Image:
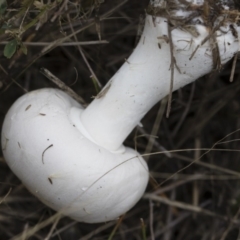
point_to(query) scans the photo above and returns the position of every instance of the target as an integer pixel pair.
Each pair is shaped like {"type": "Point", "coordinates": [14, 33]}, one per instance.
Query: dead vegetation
{"type": "Point", "coordinates": [194, 190]}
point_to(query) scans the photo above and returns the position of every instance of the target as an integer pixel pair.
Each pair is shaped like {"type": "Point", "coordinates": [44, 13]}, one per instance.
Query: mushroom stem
{"type": "Point", "coordinates": [164, 55]}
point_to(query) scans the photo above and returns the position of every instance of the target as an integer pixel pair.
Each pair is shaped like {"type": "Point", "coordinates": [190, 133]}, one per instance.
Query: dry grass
{"type": "Point", "coordinates": [193, 194]}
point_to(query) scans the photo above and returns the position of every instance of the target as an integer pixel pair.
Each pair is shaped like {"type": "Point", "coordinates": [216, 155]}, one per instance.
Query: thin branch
{"type": "Point", "coordinates": [180, 122]}
{"type": "Point", "coordinates": [188, 207]}
{"type": "Point", "coordinates": [4, 198]}
{"type": "Point", "coordinates": [93, 75]}
{"type": "Point", "coordinates": [155, 128]}
{"type": "Point", "coordinates": [151, 220]}
{"type": "Point", "coordinates": [66, 44]}
{"type": "Point", "coordinates": [62, 85]}
{"type": "Point", "coordinates": [233, 67]}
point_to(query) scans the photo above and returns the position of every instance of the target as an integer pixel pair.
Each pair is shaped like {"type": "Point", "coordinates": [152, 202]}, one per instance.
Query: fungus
{"type": "Point", "coordinates": [73, 159]}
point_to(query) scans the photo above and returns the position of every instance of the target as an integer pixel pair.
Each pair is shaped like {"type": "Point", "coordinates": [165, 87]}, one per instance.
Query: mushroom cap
{"type": "Point", "coordinates": [45, 146]}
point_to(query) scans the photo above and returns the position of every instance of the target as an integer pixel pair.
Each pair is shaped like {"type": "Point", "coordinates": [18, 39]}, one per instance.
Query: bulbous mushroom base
{"type": "Point", "coordinates": [45, 148]}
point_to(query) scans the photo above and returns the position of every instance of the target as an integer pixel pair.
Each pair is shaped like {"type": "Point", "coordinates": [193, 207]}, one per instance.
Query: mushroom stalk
{"type": "Point", "coordinates": [162, 56]}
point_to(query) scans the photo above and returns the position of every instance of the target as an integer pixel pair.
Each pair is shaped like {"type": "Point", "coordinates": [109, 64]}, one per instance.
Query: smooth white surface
{"type": "Point", "coordinates": [74, 176]}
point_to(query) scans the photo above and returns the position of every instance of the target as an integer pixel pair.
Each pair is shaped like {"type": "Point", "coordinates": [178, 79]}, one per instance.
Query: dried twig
{"type": "Point", "coordinates": [62, 85]}
{"type": "Point", "coordinates": [64, 44]}
{"type": "Point", "coordinates": [233, 67]}
{"type": "Point", "coordinates": [188, 207]}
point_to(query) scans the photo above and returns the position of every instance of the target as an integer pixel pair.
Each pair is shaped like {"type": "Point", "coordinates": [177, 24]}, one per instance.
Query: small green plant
{"type": "Point", "coordinates": [9, 22]}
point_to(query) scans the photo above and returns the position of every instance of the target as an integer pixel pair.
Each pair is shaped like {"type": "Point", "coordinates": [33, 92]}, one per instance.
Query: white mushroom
{"type": "Point", "coordinates": [73, 159]}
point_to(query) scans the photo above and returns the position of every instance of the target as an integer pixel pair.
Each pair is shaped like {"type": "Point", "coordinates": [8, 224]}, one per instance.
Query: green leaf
{"type": "Point", "coordinates": [95, 84]}
{"type": "Point", "coordinates": [3, 7]}
{"type": "Point", "coordinates": [23, 48]}
{"type": "Point", "coordinates": [10, 48]}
